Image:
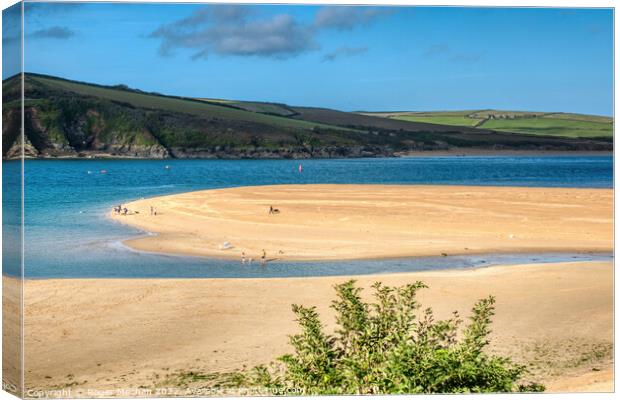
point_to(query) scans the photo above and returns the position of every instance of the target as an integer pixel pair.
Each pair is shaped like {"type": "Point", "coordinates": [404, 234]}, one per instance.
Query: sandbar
{"type": "Point", "coordinates": [331, 222]}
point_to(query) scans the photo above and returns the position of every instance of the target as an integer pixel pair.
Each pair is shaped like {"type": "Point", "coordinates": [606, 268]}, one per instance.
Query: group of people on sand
{"type": "Point", "coordinates": [119, 210]}
{"type": "Point", "coordinates": [263, 258]}
{"type": "Point", "coordinates": [249, 260]}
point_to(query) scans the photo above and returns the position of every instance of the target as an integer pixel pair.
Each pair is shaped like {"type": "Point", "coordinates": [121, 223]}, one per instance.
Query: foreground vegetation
{"type": "Point", "coordinates": [389, 346]}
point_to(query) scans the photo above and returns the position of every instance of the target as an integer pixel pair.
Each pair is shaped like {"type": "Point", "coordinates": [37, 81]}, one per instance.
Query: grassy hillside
{"type": "Point", "coordinates": [457, 118]}
{"type": "Point", "coordinates": [65, 118]}
{"type": "Point", "coordinates": [530, 123]}
{"type": "Point", "coordinates": [176, 104]}
{"type": "Point", "coordinates": [453, 136]}
{"type": "Point", "coordinates": [369, 121]}
{"type": "Point", "coordinates": [278, 109]}
{"type": "Point", "coordinates": [555, 125]}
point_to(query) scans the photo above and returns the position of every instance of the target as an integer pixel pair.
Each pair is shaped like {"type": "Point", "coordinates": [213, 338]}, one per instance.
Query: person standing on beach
{"type": "Point", "coordinates": [151, 210]}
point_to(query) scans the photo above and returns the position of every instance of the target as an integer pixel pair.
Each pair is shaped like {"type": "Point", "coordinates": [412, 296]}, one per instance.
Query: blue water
{"type": "Point", "coordinates": [67, 235]}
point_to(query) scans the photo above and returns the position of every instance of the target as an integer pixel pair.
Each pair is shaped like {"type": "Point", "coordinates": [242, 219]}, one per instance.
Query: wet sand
{"type": "Point", "coordinates": [319, 222]}
{"type": "Point", "coordinates": [127, 333]}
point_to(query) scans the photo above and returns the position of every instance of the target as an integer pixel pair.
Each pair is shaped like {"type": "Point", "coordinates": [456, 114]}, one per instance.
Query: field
{"type": "Point", "coordinates": [256, 106]}
{"type": "Point", "coordinates": [553, 127]}
{"type": "Point", "coordinates": [190, 106]}
{"type": "Point", "coordinates": [377, 121]}
{"type": "Point", "coordinates": [530, 123]}
{"type": "Point", "coordinates": [455, 119]}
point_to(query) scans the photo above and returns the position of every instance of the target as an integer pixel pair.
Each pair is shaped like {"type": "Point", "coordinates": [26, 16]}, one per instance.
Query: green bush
{"type": "Point", "coordinates": [390, 347]}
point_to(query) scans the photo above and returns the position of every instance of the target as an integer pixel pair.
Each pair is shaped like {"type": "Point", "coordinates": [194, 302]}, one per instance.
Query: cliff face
{"type": "Point", "coordinates": [71, 119]}
{"type": "Point", "coordinates": [85, 133]}
{"type": "Point", "coordinates": [49, 133]}
{"type": "Point", "coordinates": [58, 124]}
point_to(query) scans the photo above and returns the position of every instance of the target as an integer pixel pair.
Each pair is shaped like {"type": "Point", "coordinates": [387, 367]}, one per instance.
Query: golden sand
{"type": "Point", "coordinates": [317, 222]}
{"type": "Point", "coordinates": [127, 333]}
{"type": "Point", "coordinates": [124, 333]}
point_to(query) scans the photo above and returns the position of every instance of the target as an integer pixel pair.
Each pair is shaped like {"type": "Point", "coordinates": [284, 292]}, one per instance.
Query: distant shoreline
{"type": "Point", "coordinates": [417, 153]}
{"type": "Point", "coordinates": [507, 153]}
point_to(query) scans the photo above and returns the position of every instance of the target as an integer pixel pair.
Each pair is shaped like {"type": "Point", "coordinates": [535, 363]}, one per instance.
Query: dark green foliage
{"type": "Point", "coordinates": [391, 346]}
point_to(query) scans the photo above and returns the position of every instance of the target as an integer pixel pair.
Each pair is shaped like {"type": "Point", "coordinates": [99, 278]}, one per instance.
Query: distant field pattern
{"type": "Point", "coordinates": [531, 123]}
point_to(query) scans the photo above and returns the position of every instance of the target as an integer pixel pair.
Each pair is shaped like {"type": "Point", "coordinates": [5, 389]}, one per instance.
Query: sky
{"type": "Point", "coordinates": [347, 58]}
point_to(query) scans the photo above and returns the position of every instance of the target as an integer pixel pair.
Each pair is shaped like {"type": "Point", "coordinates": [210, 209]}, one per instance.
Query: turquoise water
{"type": "Point", "coordinates": [67, 235]}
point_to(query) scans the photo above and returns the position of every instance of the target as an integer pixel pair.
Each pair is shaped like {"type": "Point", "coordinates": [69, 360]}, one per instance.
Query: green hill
{"type": "Point", "coordinates": [170, 103]}
{"type": "Point", "coordinates": [529, 123]}
{"type": "Point", "coordinates": [277, 109]}
{"type": "Point", "coordinates": [66, 118]}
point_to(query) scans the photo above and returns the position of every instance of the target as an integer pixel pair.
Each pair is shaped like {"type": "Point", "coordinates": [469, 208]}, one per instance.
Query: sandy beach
{"type": "Point", "coordinates": [159, 334]}
{"type": "Point", "coordinates": [317, 222]}
{"type": "Point", "coordinates": [124, 333]}
{"type": "Point", "coordinates": [11, 333]}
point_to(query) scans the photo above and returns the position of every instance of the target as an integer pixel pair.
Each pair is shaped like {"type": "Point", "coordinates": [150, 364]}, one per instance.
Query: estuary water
{"type": "Point", "coordinates": [67, 234]}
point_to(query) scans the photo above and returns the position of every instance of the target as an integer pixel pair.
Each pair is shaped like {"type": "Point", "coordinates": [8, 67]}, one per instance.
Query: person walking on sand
{"type": "Point", "coordinates": [270, 209]}
{"type": "Point", "coordinates": [263, 258]}
{"type": "Point", "coordinates": [242, 257]}
{"type": "Point", "coordinates": [151, 210]}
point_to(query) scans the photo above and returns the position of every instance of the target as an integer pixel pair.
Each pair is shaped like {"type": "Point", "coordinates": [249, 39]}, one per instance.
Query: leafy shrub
{"type": "Point", "coordinates": [390, 347]}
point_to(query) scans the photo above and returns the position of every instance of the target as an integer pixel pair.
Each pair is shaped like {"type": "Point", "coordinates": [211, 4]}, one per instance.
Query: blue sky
{"type": "Point", "coordinates": [348, 58]}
